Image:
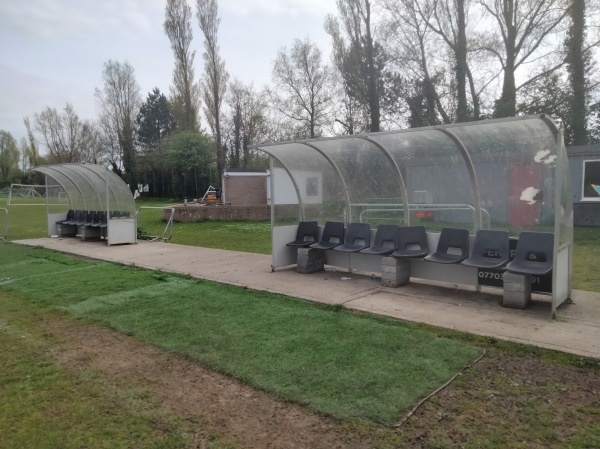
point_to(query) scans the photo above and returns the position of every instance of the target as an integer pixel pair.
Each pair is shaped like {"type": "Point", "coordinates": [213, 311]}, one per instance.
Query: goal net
{"type": "Point", "coordinates": [155, 223]}
{"type": "Point", "coordinates": [36, 194]}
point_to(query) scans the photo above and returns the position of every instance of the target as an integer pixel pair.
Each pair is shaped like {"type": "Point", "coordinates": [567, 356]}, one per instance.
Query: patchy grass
{"type": "Point", "coordinates": [45, 406]}
{"type": "Point", "coordinates": [517, 396]}
{"type": "Point", "coordinates": [327, 358]}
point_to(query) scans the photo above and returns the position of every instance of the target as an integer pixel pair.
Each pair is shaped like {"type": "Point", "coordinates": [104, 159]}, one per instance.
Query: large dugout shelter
{"type": "Point", "coordinates": [509, 174]}
{"type": "Point", "coordinates": [90, 187]}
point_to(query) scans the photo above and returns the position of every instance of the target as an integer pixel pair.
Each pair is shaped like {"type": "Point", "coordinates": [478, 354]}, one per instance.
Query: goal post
{"type": "Point", "coordinates": [36, 195]}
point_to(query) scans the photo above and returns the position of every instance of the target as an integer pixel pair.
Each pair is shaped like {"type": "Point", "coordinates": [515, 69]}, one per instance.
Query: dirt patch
{"type": "Point", "coordinates": [510, 400]}
{"type": "Point", "coordinates": [220, 404]}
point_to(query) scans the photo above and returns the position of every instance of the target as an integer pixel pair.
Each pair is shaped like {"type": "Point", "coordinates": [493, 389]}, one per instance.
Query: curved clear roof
{"type": "Point", "coordinates": [90, 187]}
{"type": "Point", "coordinates": [507, 173]}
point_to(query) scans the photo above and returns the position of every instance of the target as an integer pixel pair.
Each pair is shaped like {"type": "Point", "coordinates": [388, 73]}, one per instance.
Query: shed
{"type": "Point", "coordinates": [90, 187]}
{"type": "Point", "coordinates": [584, 169]}
{"type": "Point", "coordinates": [243, 187]}
{"type": "Point", "coordinates": [507, 174]}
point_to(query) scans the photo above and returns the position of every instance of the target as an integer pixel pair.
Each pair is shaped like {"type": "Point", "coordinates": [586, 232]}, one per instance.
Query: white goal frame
{"type": "Point", "coordinates": [31, 192]}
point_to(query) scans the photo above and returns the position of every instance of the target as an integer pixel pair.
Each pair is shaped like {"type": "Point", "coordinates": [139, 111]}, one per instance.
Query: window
{"type": "Point", "coordinates": [591, 181]}
{"type": "Point", "coordinates": [312, 186]}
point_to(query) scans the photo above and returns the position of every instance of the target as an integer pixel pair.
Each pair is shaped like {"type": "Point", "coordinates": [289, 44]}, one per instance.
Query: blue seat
{"type": "Point", "coordinates": [307, 233]}
{"type": "Point", "coordinates": [412, 242]}
{"type": "Point", "coordinates": [491, 249]}
{"type": "Point", "coordinates": [333, 235]}
{"type": "Point", "coordinates": [358, 237]}
{"type": "Point", "coordinates": [534, 254]}
{"type": "Point", "coordinates": [386, 240]}
{"type": "Point", "coordinates": [453, 246]}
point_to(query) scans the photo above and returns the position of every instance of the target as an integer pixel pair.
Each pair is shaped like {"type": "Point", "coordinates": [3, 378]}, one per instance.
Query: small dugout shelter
{"type": "Point", "coordinates": [95, 189]}
{"type": "Point", "coordinates": [505, 174]}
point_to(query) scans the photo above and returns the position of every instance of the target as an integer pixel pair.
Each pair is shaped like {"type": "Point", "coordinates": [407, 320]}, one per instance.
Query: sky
{"type": "Point", "coordinates": [52, 51]}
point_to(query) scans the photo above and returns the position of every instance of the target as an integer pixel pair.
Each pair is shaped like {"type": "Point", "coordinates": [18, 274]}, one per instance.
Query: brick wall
{"type": "Point", "coordinates": [242, 190]}
{"type": "Point", "coordinates": [225, 212]}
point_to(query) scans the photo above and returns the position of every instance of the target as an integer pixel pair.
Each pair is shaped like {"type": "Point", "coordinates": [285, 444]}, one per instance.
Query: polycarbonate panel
{"type": "Point", "coordinates": [438, 183]}
{"type": "Point", "coordinates": [515, 163]}
{"type": "Point", "coordinates": [91, 191]}
{"type": "Point", "coordinates": [86, 187]}
{"type": "Point", "coordinates": [306, 185]}
{"type": "Point", "coordinates": [564, 211]}
{"type": "Point", "coordinates": [372, 181]}
{"type": "Point", "coordinates": [120, 197]}
{"type": "Point", "coordinates": [76, 199]}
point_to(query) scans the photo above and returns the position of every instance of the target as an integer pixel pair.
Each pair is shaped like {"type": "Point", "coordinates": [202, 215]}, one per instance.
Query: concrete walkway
{"type": "Point", "coordinates": [576, 329]}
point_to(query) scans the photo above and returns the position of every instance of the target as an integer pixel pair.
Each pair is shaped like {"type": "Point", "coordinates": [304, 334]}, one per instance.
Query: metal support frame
{"type": "Point", "coordinates": [167, 233]}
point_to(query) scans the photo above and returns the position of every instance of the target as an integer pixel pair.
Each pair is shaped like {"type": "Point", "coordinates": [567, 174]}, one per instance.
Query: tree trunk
{"type": "Point", "coordinates": [577, 78]}
{"type": "Point", "coordinates": [462, 114]}
{"type": "Point", "coordinates": [506, 106]}
{"type": "Point", "coordinates": [374, 109]}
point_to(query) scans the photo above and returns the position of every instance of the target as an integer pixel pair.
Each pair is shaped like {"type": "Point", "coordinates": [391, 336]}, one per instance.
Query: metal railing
{"type": "Point", "coordinates": [167, 232]}
{"type": "Point", "coordinates": [422, 207]}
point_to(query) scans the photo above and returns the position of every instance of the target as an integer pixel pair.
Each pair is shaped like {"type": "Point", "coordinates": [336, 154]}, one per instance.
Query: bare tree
{"type": "Point", "coordinates": [524, 28]}
{"type": "Point", "coordinates": [302, 87]}
{"type": "Point", "coordinates": [349, 114]}
{"type": "Point", "coordinates": [246, 123]}
{"type": "Point", "coordinates": [9, 156]}
{"type": "Point", "coordinates": [449, 21]}
{"type": "Point", "coordinates": [416, 51]}
{"type": "Point", "coordinates": [360, 60]}
{"type": "Point", "coordinates": [33, 154]}
{"type": "Point", "coordinates": [214, 83]}
{"type": "Point", "coordinates": [66, 137]}
{"type": "Point", "coordinates": [578, 66]}
{"type": "Point", "coordinates": [119, 103]}
{"type": "Point", "coordinates": [185, 92]}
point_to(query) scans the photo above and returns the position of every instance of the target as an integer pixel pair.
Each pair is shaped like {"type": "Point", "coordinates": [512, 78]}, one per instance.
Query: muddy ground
{"type": "Point", "coordinates": [504, 400]}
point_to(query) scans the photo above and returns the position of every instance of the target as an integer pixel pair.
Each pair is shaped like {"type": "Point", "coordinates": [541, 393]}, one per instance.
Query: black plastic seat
{"type": "Point", "coordinates": [412, 242]}
{"type": "Point", "coordinates": [68, 218]}
{"type": "Point", "coordinates": [358, 237]}
{"type": "Point", "coordinates": [534, 254]}
{"type": "Point", "coordinates": [76, 218]}
{"type": "Point", "coordinates": [386, 240]}
{"type": "Point", "coordinates": [307, 233]}
{"type": "Point", "coordinates": [84, 218]}
{"type": "Point", "coordinates": [100, 220]}
{"type": "Point", "coordinates": [453, 246]}
{"type": "Point", "coordinates": [333, 235]}
{"type": "Point", "coordinates": [491, 249]}
{"type": "Point", "coordinates": [90, 218]}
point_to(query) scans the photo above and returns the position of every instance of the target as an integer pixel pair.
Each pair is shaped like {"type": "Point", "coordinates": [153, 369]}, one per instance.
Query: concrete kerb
{"type": "Point", "coordinates": [576, 330]}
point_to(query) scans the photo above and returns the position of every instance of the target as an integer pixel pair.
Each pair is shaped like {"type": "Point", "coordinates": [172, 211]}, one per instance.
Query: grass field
{"type": "Point", "coordinates": [44, 406]}
{"type": "Point", "coordinates": [360, 369]}
{"type": "Point", "coordinates": [30, 222]}
{"type": "Point", "coordinates": [329, 359]}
